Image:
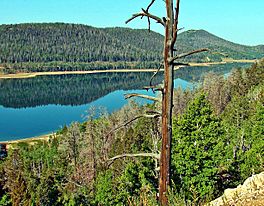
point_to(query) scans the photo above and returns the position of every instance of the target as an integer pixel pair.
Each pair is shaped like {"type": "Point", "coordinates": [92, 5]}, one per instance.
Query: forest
{"type": "Point", "coordinates": [35, 47]}
{"type": "Point", "coordinates": [218, 130]}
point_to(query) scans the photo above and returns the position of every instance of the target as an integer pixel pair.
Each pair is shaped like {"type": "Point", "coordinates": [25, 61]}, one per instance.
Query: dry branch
{"type": "Point", "coordinates": [175, 25]}
{"type": "Point", "coordinates": [151, 3]}
{"type": "Point", "coordinates": [153, 155]}
{"type": "Point", "coordinates": [75, 183]}
{"type": "Point", "coordinates": [147, 14]}
{"type": "Point", "coordinates": [153, 112]}
{"type": "Point", "coordinates": [155, 73]}
{"type": "Point", "coordinates": [127, 96]}
{"type": "Point", "coordinates": [172, 59]}
{"type": "Point", "coordinates": [154, 88]}
{"type": "Point", "coordinates": [154, 115]}
{"type": "Point", "coordinates": [181, 64]}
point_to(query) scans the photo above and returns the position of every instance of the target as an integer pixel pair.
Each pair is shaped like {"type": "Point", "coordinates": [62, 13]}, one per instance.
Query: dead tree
{"type": "Point", "coordinates": [170, 24]}
{"type": "Point", "coordinates": [170, 60]}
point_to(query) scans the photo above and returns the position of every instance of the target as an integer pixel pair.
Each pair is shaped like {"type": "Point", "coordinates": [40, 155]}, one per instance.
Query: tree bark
{"type": "Point", "coordinates": [167, 101]}
{"type": "Point", "coordinates": [170, 24]}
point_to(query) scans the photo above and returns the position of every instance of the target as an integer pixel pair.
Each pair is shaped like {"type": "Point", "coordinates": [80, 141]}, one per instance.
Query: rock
{"type": "Point", "coordinates": [251, 193]}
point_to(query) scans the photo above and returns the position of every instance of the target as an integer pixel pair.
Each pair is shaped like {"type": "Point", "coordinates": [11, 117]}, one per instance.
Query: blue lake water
{"type": "Point", "coordinates": [23, 122]}
{"type": "Point", "coordinates": [34, 121]}
{"type": "Point", "coordinates": [41, 105]}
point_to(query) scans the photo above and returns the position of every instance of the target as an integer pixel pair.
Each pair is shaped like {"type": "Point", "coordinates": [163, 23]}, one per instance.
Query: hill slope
{"type": "Point", "coordinates": [70, 43]}
{"type": "Point", "coordinates": [194, 39]}
{"type": "Point", "coordinates": [56, 46]}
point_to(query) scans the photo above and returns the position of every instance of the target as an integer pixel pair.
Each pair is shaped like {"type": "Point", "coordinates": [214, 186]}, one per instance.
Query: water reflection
{"type": "Point", "coordinates": [35, 106]}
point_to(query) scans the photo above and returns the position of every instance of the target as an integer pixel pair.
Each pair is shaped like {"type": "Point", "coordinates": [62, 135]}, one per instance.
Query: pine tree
{"type": "Point", "coordinates": [195, 144]}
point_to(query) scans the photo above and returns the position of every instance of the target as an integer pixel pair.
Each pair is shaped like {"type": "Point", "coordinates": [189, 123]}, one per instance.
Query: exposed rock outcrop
{"type": "Point", "coordinates": [251, 193]}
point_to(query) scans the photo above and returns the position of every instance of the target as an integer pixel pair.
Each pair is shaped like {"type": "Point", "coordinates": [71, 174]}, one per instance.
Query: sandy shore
{"type": "Point", "coordinates": [35, 74]}
{"type": "Point", "coordinates": [30, 140]}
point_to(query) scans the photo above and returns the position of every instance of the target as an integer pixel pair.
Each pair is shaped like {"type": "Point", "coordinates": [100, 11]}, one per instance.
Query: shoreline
{"type": "Point", "coordinates": [45, 137]}
{"type": "Point", "coordinates": [35, 74]}
{"type": "Point", "coordinates": [29, 140]}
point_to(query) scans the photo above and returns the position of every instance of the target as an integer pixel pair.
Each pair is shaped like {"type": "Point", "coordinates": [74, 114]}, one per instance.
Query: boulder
{"type": "Point", "coordinates": [251, 193]}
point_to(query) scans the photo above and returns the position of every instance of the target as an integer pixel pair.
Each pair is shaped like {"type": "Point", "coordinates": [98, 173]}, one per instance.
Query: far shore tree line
{"type": "Point", "coordinates": [36, 47]}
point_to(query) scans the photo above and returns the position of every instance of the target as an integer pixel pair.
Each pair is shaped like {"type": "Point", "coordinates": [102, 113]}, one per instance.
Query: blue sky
{"type": "Point", "coordinates": [240, 21]}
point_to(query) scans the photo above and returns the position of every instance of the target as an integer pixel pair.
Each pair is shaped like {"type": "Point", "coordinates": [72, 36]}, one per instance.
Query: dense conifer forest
{"type": "Point", "coordinates": [218, 131]}
{"type": "Point", "coordinates": [59, 46]}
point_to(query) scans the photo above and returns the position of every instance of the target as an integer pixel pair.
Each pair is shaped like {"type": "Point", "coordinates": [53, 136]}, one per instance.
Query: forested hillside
{"type": "Point", "coordinates": [195, 39]}
{"type": "Point", "coordinates": [218, 131]}
{"type": "Point", "coordinates": [60, 46]}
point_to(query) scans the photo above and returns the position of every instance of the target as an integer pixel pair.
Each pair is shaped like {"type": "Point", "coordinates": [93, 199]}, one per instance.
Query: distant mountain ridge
{"type": "Point", "coordinates": [54, 46]}
{"type": "Point", "coordinates": [194, 39]}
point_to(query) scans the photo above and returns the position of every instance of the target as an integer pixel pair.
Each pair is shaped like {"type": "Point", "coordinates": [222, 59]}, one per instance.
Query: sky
{"type": "Point", "coordinates": [240, 21]}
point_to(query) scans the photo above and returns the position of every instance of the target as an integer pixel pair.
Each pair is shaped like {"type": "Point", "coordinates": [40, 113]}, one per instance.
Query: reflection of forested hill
{"type": "Point", "coordinates": [82, 89]}
{"type": "Point", "coordinates": [65, 89]}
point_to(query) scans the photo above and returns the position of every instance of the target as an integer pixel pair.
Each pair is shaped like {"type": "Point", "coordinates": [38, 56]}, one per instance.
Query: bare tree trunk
{"type": "Point", "coordinates": [170, 23]}
{"type": "Point", "coordinates": [167, 101]}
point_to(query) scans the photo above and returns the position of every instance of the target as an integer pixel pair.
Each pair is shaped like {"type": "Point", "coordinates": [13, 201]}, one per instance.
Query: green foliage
{"type": "Point", "coordinates": [68, 47]}
{"type": "Point", "coordinates": [195, 39]}
{"type": "Point", "coordinates": [252, 158]}
{"type": "Point", "coordinates": [248, 144]}
{"type": "Point", "coordinates": [32, 173]}
{"type": "Point", "coordinates": [104, 189]}
{"type": "Point", "coordinates": [72, 199]}
{"type": "Point", "coordinates": [5, 200]}
{"type": "Point", "coordinates": [60, 47]}
{"type": "Point", "coordinates": [136, 177]}
{"type": "Point", "coordinates": [176, 197]}
{"type": "Point", "coordinates": [195, 157]}
{"type": "Point", "coordinates": [212, 150]}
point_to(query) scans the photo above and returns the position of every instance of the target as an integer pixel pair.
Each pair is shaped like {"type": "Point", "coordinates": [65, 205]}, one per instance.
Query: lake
{"type": "Point", "coordinates": [41, 105]}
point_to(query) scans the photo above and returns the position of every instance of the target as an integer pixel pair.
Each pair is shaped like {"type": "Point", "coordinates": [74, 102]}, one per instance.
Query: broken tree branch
{"type": "Point", "coordinates": [154, 88]}
{"type": "Point", "coordinates": [151, 3]}
{"type": "Point", "coordinates": [180, 65]}
{"type": "Point", "coordinates": [147, 14]}
{"type": "Point", "coordinates": [148, 24]}
{"type": "Point", "coordinates": [147, 10]}
{"type": "Point", "coordinates": [155, 73]}
{"type": "Point", "coordinates": [172, 59]}
{"type": "Point", "coordinates": [153, 112]}
{"type": "Point", "coordinates": [175, 24]}
{"type": "Point", "coordinates": [155, 115]}
{"type": "Point", "coordinates": [127, 96]}
{"type": "Point", "coordinates": [153, 155]}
